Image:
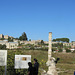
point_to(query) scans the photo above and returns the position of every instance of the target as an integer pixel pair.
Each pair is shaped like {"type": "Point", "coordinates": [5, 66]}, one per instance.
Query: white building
{"type": "Point", "coordinates": [9, 45]}
{"type": "Point", "coordinates": [12, 45]}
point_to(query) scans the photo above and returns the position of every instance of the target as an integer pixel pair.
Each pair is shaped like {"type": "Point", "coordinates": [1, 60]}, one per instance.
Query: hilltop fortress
{"type": "Point", "coordinates": [5, 36]}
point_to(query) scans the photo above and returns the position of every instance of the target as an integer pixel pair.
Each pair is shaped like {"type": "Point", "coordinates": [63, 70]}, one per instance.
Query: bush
{"type": "Point", "coordinates": [67, 50]}
{"type": "Point", "coordinates": [54, 49]}
{"type": "Point", "coordinates": [73, 51]}
{"type": "Point", "coordinates": [32, 48]}
{"type": "Point", "coordinates": [2, 46]}
{"type": "Point", "coordinates": [60, 50]}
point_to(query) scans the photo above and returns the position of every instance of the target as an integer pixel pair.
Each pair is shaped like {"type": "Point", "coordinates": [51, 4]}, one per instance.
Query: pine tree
{"type": "Point", "coordinates": [23, 37]}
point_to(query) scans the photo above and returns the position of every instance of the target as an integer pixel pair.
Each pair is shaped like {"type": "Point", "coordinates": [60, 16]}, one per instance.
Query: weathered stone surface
{"type": "Point", "coordinates": [51, 60]}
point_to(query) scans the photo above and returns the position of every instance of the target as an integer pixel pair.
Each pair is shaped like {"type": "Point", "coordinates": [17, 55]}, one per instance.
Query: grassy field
{"type": "Point", "coordinates": [66, 63]}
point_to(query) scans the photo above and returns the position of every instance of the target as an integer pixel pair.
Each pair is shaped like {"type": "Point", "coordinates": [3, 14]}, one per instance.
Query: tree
{"type": "Point", "coordinates": [29, 39]}
{"type": "Point", "coordinates": [23, 37]}
{"type": "Point", "coordinates": [2, 38]}
{"type": "Point", "coordinates": [54, 40]}
{"type": "Point", "coordinates": [16, 38]}
{"type": "Point", "coordinates": [68, 50]}
{"type": "Point", "coordinates": [61, 40]}
{"type": "Point", "coordinates": [60, 50]}
{"type": "Point", "coordinates": [2, 46]}
{"type": "Point", "coordinates": [73, 51]}
{"type": "Point", "coordinates": [10, 39]}
{"type": "Point", "coordinates": [58, 45]}
{"type": "Point", "coordinates": [42, 42]}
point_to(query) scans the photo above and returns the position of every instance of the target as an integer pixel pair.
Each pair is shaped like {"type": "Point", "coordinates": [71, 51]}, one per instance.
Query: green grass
{"type": "Point", "coordinates": [66, 62]}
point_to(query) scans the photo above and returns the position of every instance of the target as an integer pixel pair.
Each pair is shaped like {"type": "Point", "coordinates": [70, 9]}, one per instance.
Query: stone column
{"type": "Point", "coordinates": [50, 46]}
{"type": "Point", "coordinates": [51, 60]}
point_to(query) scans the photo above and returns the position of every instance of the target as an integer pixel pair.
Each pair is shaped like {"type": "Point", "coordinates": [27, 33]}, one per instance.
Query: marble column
{"type": "Point", "coordinates": [50, 46]}
{"type": "Point", "coordinates": [51, 60]}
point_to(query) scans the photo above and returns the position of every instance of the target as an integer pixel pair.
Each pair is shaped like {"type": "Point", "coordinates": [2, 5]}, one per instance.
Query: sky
{"type": "Point", "coordinates": [37, 18]}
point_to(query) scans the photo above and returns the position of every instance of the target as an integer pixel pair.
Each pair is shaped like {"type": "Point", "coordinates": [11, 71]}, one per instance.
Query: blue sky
{"type": "Point", "coordinates": [37, 18]}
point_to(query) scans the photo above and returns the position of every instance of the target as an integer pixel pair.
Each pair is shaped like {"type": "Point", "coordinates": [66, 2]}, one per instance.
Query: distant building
{"type": "Point", "coordinates": [12, 45]}
{"type": "Point", "coordinates": [72, 50]}
{"type": "Point", "coordinates": [67, 44]}
{"type": "Point", "coordinates": [9, 45]}
{"type": "Point", "coordinates": [6, 36]}
{"type": "Point", "coordinates": [1, 36]}
{"type": "Point", "coordinates": [11, 37]}
{"type": "Point", "coordinates": [38, 42]}
{"type": "Point", "coordinates": [55, 42]}
{"type": "Point", "coordinates": [27, 42]}
{"type": "Point", "coordinates": [73, 44]}
{"type": "Point", "coordinates": [46, 42]}
{"type": "Point", "coordinates": [14, 40]}
{"type": "Point", "coordinates": [3, 42]}
{"type": "Point", "coordinates": [35, 42]}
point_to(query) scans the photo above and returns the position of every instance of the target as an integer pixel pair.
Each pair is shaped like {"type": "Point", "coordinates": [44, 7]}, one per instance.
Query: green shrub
{"type": "Point", "coordinates": [60, 50]}
{"type": "Point", "coordinates": [54, 49]}
{"type": "Point", "coordinates": [68, 50]}
{"type": "Point", "coordinates": [73, 51]}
